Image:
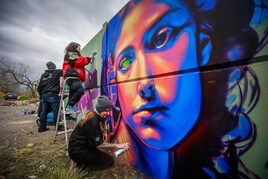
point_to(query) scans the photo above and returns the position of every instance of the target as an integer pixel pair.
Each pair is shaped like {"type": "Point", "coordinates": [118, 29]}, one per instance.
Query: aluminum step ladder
{"type": "Point", "coordinates": [62, 115]}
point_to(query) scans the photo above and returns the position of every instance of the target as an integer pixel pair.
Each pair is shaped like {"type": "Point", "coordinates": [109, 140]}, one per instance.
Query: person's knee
{"type": "Point", "coordinates": [110, 162]}
{"type": "Point", "coordinates": [104, 162]}
{"type": "Point", "coordinates": [80, 91]}
{"type": "Point", "coordinates": [76, 85]}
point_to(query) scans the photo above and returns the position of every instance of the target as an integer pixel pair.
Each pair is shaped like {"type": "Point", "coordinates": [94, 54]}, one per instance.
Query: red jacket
{"type": "Point", "coordinates": [76, 65]}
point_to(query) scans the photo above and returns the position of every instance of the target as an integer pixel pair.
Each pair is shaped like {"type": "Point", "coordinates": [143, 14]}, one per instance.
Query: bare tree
{"type": "Point", "coordinates": [8, 84]}
{"type": "Point", "coordinates": [21, 73]}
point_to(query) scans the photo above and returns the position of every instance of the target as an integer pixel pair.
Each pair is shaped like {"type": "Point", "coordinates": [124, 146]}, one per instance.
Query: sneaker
{"type": "Point", "coordinates": [43, 130]}
{"type": "Point", "coordinates": [70, 109]}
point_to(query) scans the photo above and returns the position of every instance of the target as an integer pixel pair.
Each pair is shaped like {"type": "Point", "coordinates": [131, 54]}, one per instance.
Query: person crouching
{"type": "Point", "coordinates": [89, 135]}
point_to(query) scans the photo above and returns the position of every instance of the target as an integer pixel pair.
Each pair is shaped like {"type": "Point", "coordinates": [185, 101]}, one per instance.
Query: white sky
{"type": "Point", "coordinates": [37, 31]}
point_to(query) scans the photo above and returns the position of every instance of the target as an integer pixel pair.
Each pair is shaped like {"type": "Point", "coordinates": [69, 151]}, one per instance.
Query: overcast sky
{"type": "Point", "coordinates": [37, 31]}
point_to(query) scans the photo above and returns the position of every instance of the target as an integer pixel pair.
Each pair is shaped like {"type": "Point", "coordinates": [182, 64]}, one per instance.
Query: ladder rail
{"type": "Point", "coordinates": [62, 113]}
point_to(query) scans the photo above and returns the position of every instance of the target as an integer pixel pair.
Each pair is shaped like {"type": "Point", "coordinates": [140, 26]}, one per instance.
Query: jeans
{"type": "Point", "coordinates": [50, 102]}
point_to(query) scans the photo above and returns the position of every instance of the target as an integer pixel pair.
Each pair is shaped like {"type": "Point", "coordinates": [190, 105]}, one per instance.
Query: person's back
{"type": "Point", "coordinates": [73, 65]}
{"type": "Point", "coordinates": [50, 81]}
{"type": "Point", "coordinates": [87, 135]}
{"type": "Point", "coordinates": [49, 90]}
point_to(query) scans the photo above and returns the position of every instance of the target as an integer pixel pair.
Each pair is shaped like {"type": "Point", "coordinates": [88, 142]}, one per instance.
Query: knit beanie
{"type": "Point", "coordinates": [51, 65]}
{"type": "Point", "coordinates": [103, 104]}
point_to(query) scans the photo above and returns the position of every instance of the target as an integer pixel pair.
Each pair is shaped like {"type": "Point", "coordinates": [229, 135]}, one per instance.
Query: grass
{"type": "Point", "coordinates": [28, 154]}
{"type": "Point", "coordinates": [33, 161]}
{"type": "Point", "coordinates": [49, 160]}
{"type": "Point", "coordinates": [60, 173]}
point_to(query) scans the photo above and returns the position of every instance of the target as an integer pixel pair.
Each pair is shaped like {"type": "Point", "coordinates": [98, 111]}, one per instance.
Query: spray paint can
{"type": "Point", "coordinates": [120, 152]}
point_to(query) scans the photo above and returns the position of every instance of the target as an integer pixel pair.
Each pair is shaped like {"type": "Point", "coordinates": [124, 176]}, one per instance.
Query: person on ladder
{"type": "Point", "coordinates": [73, 66]}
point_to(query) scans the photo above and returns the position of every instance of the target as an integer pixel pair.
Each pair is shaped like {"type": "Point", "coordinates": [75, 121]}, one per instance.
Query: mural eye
{"type": "Point", "coordinates": [161, 38]}
{"type": "Point", "coordinates": [125, 63]}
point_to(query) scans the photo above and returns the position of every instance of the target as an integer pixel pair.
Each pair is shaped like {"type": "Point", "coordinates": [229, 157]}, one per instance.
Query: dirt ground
{"type": "Point", "coordinates": [25, 153]}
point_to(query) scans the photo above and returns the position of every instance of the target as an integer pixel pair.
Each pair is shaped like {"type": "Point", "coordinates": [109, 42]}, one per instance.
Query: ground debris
{"type": "Point", "coordinates": [42, 167]}
{"type": "Point", "coordinates": [25, 153]}
{"type": "Point", "coordinates": [30, 145]}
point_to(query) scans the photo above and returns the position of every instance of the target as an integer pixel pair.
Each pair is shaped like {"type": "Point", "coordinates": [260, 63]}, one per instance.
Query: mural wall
{"type": "Point", "coordinates": [188, 79]}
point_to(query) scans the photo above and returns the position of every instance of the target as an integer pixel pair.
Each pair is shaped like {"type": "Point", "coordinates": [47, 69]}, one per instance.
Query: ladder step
{"type": "Point", "coordinates": [71, 112]}
{"type": "Point", "coordinates": [63, 132]}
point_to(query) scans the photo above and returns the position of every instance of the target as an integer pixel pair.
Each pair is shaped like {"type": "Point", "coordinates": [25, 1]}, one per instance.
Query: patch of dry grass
{"type": "Point", "coordinates": [43, 158]}
{"type": "Point", "coordinates": [49, 160]}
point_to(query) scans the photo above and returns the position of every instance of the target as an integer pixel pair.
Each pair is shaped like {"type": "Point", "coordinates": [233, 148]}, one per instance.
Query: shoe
{"type": "Point", "coordinates": [38, 122]}
{"type": "Point", "coordinates": [70, 109]}
{"type": "Point", "coordinates": [60, 128]}
{"type": "Point", "coordinates": [43, 130]}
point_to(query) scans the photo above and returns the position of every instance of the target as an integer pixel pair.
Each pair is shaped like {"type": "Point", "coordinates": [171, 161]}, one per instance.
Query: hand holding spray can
{"type": "Point", "coordinates": [123, 147]}
{"type": "Point", "coordinates": [120, 152]}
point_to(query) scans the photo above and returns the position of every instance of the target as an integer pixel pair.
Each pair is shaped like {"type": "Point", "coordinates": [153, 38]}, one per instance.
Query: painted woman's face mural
{"type": "Point", "coordinates": [180, 75]}
{"type": "Point", "coordinates": [158, 109]}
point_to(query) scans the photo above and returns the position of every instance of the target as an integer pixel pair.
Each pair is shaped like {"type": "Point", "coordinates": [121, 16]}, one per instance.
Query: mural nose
{"type": "Point", "coordinates": [147, 92]}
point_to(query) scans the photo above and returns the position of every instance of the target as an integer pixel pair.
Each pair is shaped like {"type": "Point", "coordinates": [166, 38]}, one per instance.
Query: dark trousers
{"type": "Point", "coordinates": [76, 91]}
{"type": "Point", "coordinates": [50, 102]}
{"type": "Point", "coordinates": [39, 108]}
{"type": "Point", "coordinates": [93, 159]}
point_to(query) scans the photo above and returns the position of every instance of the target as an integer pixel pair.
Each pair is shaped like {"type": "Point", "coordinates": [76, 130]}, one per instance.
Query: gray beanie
{"type": "Point", "coordinates": [103, 104]}
{"type": "Point", "coordinates": [51, 65]}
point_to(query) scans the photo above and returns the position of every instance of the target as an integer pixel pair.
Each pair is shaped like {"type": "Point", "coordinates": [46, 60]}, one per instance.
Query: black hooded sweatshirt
{"type": "Point", "coordinates": [50, 81]}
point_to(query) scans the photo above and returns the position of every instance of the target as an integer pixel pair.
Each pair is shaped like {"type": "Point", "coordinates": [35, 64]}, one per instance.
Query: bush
{"type": "Point", "coordinates": [22, 98]}
{"type": "Point", "coordinates": [2, 95]}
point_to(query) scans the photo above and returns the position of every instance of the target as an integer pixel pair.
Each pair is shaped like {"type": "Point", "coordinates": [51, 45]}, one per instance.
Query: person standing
{"type": "Point", "coordinates": [73, 66]}
{"type": "Point", "coordinates": [49, 88]}
{"type": "Point", "coordinates": [89, 135]}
